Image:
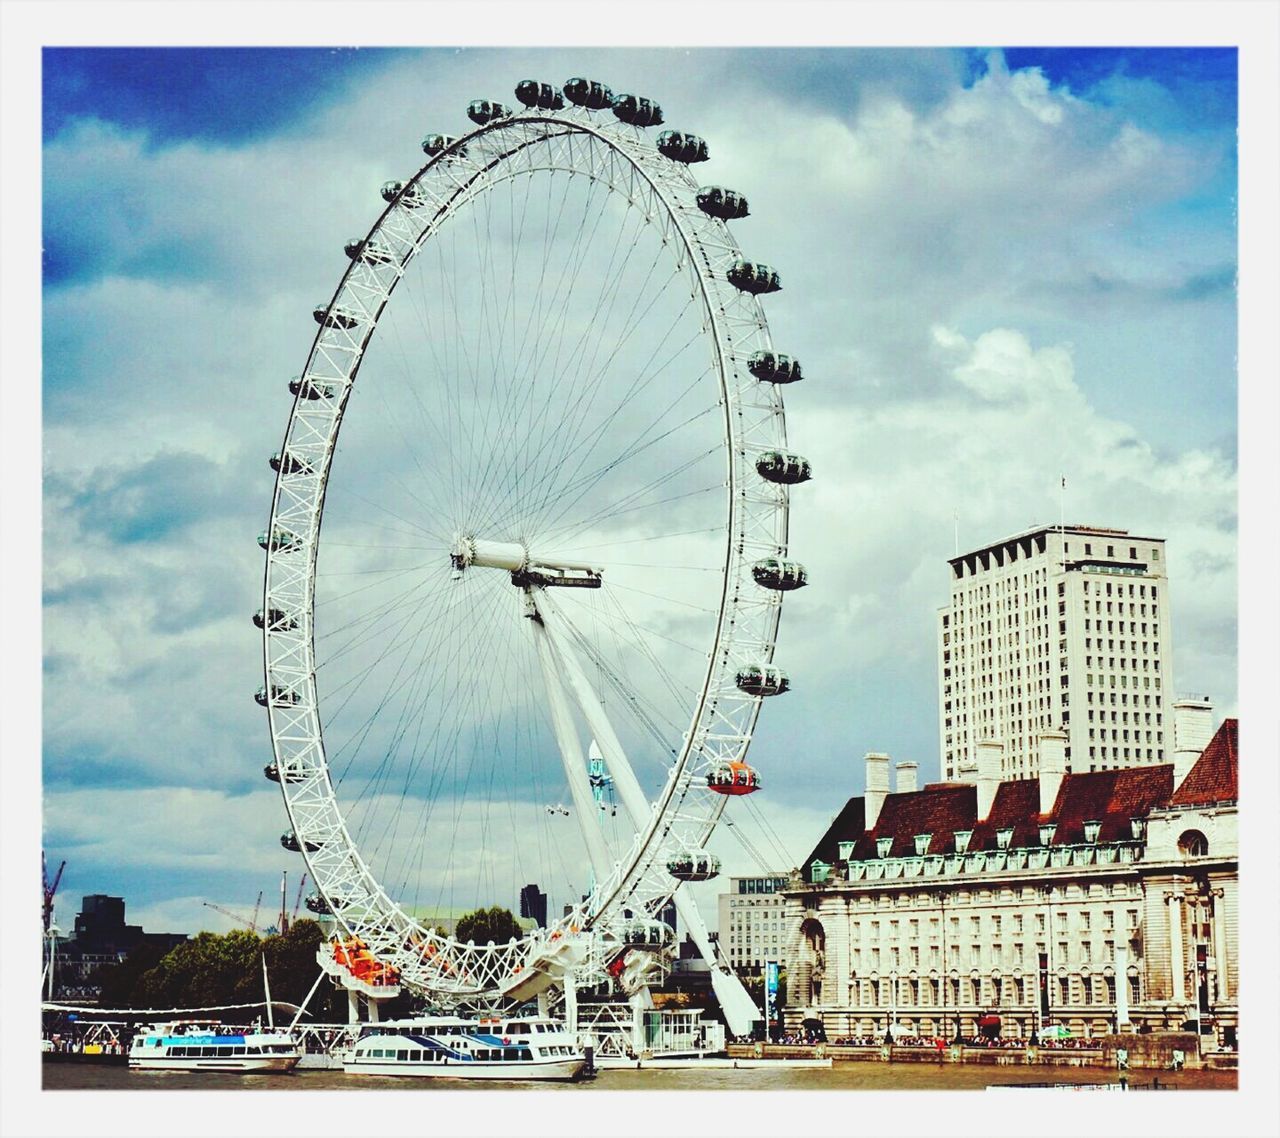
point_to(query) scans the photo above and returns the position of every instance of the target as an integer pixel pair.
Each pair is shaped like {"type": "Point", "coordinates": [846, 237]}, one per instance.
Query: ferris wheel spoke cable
{"type": "Point", "coordinates": [642, 442]}
{"type": "Point", "coordinates": [645, 375]}
{"type": "Point", "coordinates": [351, 683]}
{"type": "Point", "coordinates": [535, 436]}
{"type": "Point", "coordinates": [575, 479]}
{"type": "Point", "coordinates": [771, 835]}
{"type": "Point", "coordinates": [736, 830]}
{"type": "Point", "coordinates": [570, 426]}
{"type": "Point", "coordinates": [574, 495]}
{"type": "Point", "coordinates": [623, 686]}
{"type": "Point", "coordinates": [458, 694]}
{"type": "Point", "coordinates": [353, 742]}
{"type": "Point", "coordinates": [647, 539]}
{"type": "Point", "coordinates": [548, 451]}
{"type": "Point", "coordinates": [599, 323]}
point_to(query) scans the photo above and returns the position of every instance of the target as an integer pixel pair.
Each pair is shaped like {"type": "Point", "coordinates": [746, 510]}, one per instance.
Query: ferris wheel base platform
{"type": "Point", "coordinates": [351, 982]}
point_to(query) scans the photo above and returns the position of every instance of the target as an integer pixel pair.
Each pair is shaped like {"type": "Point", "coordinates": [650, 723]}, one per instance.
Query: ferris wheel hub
{"type": "Point", "coordinates": [515, 557]}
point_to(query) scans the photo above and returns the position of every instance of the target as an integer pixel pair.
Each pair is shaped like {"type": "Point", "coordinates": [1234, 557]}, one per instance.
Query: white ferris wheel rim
{"type": "Point", "coordinates": [724, 717]}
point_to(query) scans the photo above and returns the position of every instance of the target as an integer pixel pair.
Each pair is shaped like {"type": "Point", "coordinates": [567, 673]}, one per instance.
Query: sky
{"type": "Point", "coordinates": [972, 246]}
{"type": "Point", "coordinates": [1001, 268]}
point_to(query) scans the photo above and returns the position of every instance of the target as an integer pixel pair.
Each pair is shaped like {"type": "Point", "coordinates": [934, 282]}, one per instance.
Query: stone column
{"type": "Point", "coordinates": [1177, 963]}
{"type": "Point", "coordinates": [1220, 961]}
{"type": "Point", "coordinates": [1121, 965]}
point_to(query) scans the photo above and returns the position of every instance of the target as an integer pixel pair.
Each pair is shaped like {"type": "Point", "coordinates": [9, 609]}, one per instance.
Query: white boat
{"type": "Point", "coordinates": [207, 1045]}
{"type": "Point", "coordinates": [446, 1047]}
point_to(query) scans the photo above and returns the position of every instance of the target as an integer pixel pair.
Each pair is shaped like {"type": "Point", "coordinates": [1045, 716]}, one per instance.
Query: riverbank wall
{"type": "Point", "coordinates": [1157, 1051]}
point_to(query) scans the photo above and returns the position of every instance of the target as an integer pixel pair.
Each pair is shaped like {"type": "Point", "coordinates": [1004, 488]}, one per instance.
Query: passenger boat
{"type": "Point", "coordinates": [207, 1045]}
{"type": "Point", "coordinates": [452, 1048]}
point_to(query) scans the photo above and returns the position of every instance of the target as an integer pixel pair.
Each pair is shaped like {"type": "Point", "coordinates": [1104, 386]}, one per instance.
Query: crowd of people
{"type": "Point", "coordinates": [810, 1039]}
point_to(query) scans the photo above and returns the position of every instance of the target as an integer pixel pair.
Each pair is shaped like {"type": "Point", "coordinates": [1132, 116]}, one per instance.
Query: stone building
{"type": "Point", "coordinates": [1087, 899]}
{"type": "Point", "coordinates": [1057, 629]}
{"type": "Point", "coordinates": [752, 923]}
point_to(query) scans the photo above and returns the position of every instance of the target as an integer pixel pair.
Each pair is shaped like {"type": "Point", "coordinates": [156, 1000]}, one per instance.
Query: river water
{"type": "Point", "coordinates": [841, 1076]}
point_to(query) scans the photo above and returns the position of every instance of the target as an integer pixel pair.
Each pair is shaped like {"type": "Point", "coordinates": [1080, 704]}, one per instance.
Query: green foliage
{"type": "Point", "coordinates": [493, 924]}
{"type": "Point", "coordinates": [215, 969]}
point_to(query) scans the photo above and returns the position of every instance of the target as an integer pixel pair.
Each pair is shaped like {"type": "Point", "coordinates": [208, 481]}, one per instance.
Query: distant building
{"type": "Point", "coordinates": [1092, 899]}
{"type": "Point", "coordinates": [101, 937]}
{"type": "Point", "coordinates": [1058, 628]}
{"type": "Point", "coordinates": [533, 903]}
{"type": "Point", "coordinates": [752, 925]}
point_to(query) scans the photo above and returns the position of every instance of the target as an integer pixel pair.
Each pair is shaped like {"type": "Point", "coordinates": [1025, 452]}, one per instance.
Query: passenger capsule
{"type": "Point", "coordinates": [272, 771]}
{"type": "Point", "coordinates": [410, 198]}
{"type": "Point", "coordinates": [637, 110]}
{"type": "Point", "coordinates": [435, 144]}
{"type": "Point", "coordinates": [773, 573]}
{"type": "Point", "coordinates": [358, 249]}
{"type": "Point", "coordinates": [484, 111]}
{"type": "Point", "coordinates": [724, 204]}
{"type": "Point", "coordinates": [279, 697]}
{"type": "Point", "coordinates": [783, 467]}
{"type": "Point", "coordinates": [774, 367]}
{"type": "Point", "coordinates": [733, 779]}
{"type": "Point", "coordinates": [647, 936]}
{"type": "Point", "coordinates": [279, 541]}
{"type": "Point", "coordinates": [290, 842]}
{"type": "Point", "coordinates": [334, 317]}
{"type": "Point", "coordinates": [541, 95]}
{"type": "Point", "coordinates": [762, 679]}
{"type": "Point", "coordinates": [588, 93]}
{"type": "Point", "coordinates": [694, 865]}
{"type": "Point", "coordinates": [277, 620]}
{"type": "Point", "coordinates": [753, 277]}
{"type": "Point", "coordinates": [317, 904]}
{"type": "Point", "coordinates": [286, 463]}
{"type": "Point", "coordinates": [681, 147]}
{"type": "Point", "coordinates": [312, 389]}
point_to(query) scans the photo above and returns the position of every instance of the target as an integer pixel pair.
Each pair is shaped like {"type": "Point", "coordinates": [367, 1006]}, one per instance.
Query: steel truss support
{"type": "Point", "coordinates": [739, 1008]}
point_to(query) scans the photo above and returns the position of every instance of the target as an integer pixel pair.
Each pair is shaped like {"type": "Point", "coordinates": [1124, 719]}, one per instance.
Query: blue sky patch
{"type": "Point", "coordinates": [228, 95]}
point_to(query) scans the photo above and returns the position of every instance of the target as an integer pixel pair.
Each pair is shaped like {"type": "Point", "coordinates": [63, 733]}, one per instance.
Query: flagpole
{"type": "Point", "coordinates": [266, 987]}
{"type": "Point", "coordinates": [1062, 519]}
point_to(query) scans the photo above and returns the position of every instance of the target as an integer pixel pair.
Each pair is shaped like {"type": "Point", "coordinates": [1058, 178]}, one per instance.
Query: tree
{"type": "Point", "coordinates": [493, 924]}
{"type": "Point", "coordinates": [119, 981]}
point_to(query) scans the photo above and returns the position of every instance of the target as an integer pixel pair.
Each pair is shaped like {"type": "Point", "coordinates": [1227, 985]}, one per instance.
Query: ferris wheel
{"type": "Point", "coordinates": [554, 548]}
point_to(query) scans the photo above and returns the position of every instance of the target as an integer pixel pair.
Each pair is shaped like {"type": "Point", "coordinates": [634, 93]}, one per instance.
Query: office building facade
{"type": "Point", "coordinates": [1058, 628]}
{"type": "Point", "coordinates": [752, 923]}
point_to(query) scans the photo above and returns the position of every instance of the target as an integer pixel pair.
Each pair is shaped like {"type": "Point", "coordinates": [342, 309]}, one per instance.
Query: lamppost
{"type": "Point", "coordinates": [942, 935]}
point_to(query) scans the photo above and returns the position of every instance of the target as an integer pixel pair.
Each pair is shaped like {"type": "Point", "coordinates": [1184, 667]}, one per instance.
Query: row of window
{"type": "Point", "coordinates": [987, 992]}
{"type": "Point", "coordinates": [226, 1050]}
{"type": "Point", "coordinates": [480, 1054]}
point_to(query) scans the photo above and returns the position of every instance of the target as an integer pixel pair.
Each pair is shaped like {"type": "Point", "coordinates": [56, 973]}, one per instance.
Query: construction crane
{"type": "Point", "coordinates": [50, 889]}
{"type": "Point", "coordinates": [256, 906]}
{"type": "Point", "coordinates": [251, 925]}
{"type": "Point", "coordinates": [297, 904]}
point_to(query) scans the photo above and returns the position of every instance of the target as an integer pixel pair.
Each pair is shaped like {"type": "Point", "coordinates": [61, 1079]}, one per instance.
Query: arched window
{"type": "Point", "coordinates": [1193, 843]}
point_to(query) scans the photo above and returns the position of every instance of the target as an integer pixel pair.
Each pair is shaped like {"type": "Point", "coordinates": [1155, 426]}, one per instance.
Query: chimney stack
{"type": "Point", "coordinates": [989, 754]}
{"type": "Point", "coordinates": [877, 786]}
{"type": "Point", "coordinates": [1053, 766]}
{"type": "Point", "coordinates": [905, 777]}
{"type": "Point", "coordinates": [1192, 730]}
{"type": "Point", "coordinates": [967, 771]}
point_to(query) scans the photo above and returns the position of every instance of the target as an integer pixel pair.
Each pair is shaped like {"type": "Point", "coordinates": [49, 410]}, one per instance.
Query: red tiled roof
{"type": "Point", "coordinates": [1111, 797]}
{"type": "Point", "coordinates": [940, 810]}
{"type": "Point", "coordinates": [1216, 774]}
{"type": "Point", "coordinates": [848, 821]}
